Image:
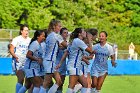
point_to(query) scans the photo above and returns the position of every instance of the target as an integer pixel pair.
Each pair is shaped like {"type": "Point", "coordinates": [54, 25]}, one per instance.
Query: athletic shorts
{"type": "Point", "coordinates": [32, 73]}
{"type": "Point", "coordinates": [17, 65]}
{"type": "Point", "coordinates": [74, 71]}
{"type": "Point", "coordinates": [98, 73]}
{"type": "Point", "coordinates": [49, 67]}
{"type": "Point", "coordinates": [85, 70]}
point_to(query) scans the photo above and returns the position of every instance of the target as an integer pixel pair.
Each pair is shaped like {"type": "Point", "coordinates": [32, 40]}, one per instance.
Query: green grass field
{"type": "Point", "coordinates": [112, 84]}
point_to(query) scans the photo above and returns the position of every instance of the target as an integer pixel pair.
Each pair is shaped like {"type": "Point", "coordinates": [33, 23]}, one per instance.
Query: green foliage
{"type": "Point", "coordinates": [120, 18]}
{"type": "Point", "coordinates": [4, 34]}
{"type": "Point", "coordinates": [137, 49]}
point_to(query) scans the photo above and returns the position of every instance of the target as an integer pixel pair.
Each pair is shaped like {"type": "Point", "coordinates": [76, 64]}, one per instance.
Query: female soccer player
{"type": "Point", "coordinates": [18, 50]}
{"type": "Point", "coordinates": [61, 50]}
{"type": "Point", "coordinates": [53, 40]}
{"type": "Point", "coordinates": [34, 60]}
{"type": "Point", "coordinates": [28, 83]}
{"type": "Point", "coordinates": [75, 52]}
{"type": "Point", "coordinates": [85, 60]}
{"type": "Point", "coordinates": [99, 67]}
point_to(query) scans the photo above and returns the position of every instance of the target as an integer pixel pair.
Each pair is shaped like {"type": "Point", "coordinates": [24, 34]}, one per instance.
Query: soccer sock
{"type": "Point", "coordinates": [36, 90]}
{"type": "Point", "coordinates": [18, 86]}
{"type": "Point", "coordinates": [77, 88]}
{"type": "Point", "coordinates": [59, 91]}
{"type": "Point", "coordinates": [23, 89]}
{"type": "Point", "coordinates": [69, 90]}
{"type": "Point", "coordinates": [88, 90]}
{"type": "Point", "coordinates": [84, 90]}
{"type": "Point", "coordinates": [53, 89]}
{"type": "Point", "coordinates": [42, 90]}
{"type": "Point", "coordinates": [98, 91]}
{"type": "Point", "coordinates": [93, 90]}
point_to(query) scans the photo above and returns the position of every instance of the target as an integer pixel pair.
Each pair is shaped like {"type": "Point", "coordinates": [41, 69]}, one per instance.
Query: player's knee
{"type": "Point", "coordinates": [47, 83]}
{"type": "Point", "coordinates": [71, 86]}
{"type": "Point", "coordinates": [59, 82]}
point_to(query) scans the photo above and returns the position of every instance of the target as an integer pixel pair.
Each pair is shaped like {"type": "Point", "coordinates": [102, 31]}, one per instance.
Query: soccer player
{"type": "Point", "coordinates": [18, 50]}
{"type": "Point", "coordinates": [28, 83]}
{"type": "Point", "coordinates": [61, 50]}
{"type": "Point", "coordinates": [75, 53]}
{"type": "Point", "coordinates": [53, 40]}
{"type": "Point", "coordinates": [99, 67]}
{"type": "Point", "coordinates": [34, 60]}
{"type": "Point", "coordinates": [85, 60]}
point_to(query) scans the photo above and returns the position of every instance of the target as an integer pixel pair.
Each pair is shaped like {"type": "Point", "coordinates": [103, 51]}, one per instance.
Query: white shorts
{"type": "Point", "coordinates": [74, 71]}
{"type": "Point", "coordinates": [49, 66]}
{"type": "Point", "coordinates": [32, 73]}
{"type": "Point", "coordinates": [17, 65]}
{"type": "Point", "coordinates": [85, 70]}
{"type": "Point", "coordinates": [98, 73]}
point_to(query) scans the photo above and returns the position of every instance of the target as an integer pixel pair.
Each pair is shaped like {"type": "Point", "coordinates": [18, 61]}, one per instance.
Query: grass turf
{"type": "Point", "coordinates": [112, 84]}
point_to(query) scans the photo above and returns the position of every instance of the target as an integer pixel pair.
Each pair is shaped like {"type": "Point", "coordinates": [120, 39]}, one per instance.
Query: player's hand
{"type": "Point", "coordinates": [87, 62]}
{"type": "Point", "coordinates": [114, 64]}
{"type": "Point", "coordinates": [93, 52]}
{"type": "Point", "coordinates": [40, 60]}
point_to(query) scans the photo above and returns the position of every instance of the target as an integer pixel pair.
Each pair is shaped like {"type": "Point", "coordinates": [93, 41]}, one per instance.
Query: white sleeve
{"type": "Point", "coordinates": [14, 42]}
{"type": "Point", "coordinates": [81, 44]}
{"type": "Point", "coordinates": [33, 47]}
{"type": "Point", "coordinates": [59, 38]}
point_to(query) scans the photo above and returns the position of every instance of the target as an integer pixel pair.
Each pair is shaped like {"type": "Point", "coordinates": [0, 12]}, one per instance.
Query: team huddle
{"type": "Point", "coordinates": [38, 60]}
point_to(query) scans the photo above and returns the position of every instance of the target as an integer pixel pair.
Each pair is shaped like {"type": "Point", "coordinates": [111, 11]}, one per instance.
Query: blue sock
{"type": "Point", "coordinates": [53, 89]}
{"type": "Point", "coordinates": [18, 86]}
{"type": "Point", "coordinates": [42, 90]}
{"type": "Point", "coordinates": [23, 89]}
{"type": "Point", "coordinates": [36, 90]}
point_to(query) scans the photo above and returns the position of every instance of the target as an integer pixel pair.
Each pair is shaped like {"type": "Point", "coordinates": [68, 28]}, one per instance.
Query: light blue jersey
{"type": "Point", "coordinates": [101, 57]}
{"type": "Point", "coordinates": [37, 51]}
{"type": "Point", "coordinates": [84, 66]}
{"type": "Point", "coordinates": [52, 42]}
{"type": "Point", "coordinates": [62, 69]}
{"type": "Point", "coordinates": [43, 45]}
{"type": "Point", "coordinates": [49, 60]}
{"type": "Point", "coordinates": [75, 56]}
{"type": "Point", "coordinates": [85, 54]}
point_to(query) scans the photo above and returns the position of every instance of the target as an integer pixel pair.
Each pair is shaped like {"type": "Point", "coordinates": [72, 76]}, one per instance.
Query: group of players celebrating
{"type": "Point", "coordinates": [42, 58]}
